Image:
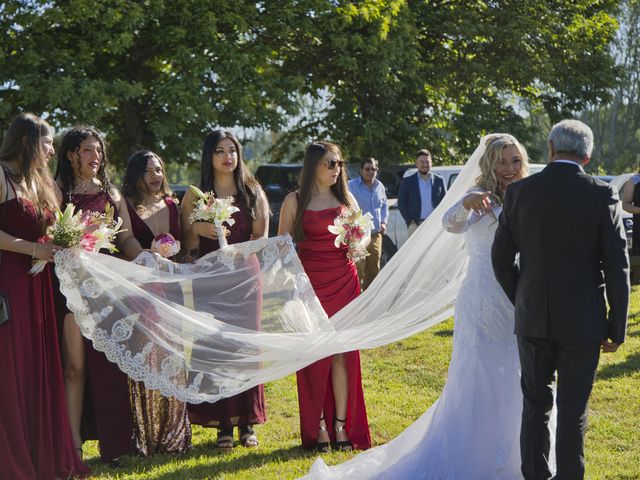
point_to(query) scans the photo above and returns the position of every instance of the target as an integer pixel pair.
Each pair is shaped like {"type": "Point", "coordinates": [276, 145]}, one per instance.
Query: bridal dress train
{"type": "Point", "coordinates": [472, 431]}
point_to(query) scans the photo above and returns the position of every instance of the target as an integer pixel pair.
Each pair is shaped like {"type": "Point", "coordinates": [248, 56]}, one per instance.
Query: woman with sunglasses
{"type": "Point", "coordinates": [329, 390]}
{"type": "Point", "coordinates": [223, 172]}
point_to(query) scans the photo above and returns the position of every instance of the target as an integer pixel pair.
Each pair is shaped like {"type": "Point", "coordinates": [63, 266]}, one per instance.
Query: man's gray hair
{"type": "Point", "coordinates": [572, 137]}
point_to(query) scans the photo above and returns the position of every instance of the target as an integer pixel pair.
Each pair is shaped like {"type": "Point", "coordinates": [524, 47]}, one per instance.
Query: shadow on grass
{"type": "Point", "coordinates": [444, 333]}
{"type": "Point", "coordinates": [631, 364]}
{"type": "Point", "coordinates": [181, 467]}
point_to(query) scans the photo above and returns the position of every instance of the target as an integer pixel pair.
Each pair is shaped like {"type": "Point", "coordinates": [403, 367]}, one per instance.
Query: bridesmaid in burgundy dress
{"type": "Point", "coordinates": [329, 390]}
{"type": "Point", "coordinates": [81, 174]}
{"type": "Point", "coordinates": [35, 438]}
{"type": "Point", "coordinates": [223, 171]}
{"type": "Point", "coordinates": [160, 424]}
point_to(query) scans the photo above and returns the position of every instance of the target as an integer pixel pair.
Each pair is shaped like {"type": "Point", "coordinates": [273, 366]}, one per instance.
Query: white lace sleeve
{"type": "Point", "coordinates": [458, 219]}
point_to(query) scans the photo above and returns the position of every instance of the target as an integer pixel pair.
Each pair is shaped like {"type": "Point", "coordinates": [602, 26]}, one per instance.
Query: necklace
{"type": "Point", "coordinates": [82, 187]}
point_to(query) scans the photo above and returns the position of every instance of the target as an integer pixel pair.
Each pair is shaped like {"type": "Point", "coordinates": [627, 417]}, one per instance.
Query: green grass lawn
{"type": "Point", "coordinates": [401, 381]}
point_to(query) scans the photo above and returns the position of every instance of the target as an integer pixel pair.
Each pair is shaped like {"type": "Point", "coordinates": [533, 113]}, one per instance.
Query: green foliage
{"type": "Point", "coordinates": [382, 78]}
{"type": "Point", "coordinates": [616, 123]}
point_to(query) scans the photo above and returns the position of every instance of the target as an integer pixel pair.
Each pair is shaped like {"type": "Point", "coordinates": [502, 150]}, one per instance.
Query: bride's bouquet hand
{"type": "Point", "coordinates": [479, 202]}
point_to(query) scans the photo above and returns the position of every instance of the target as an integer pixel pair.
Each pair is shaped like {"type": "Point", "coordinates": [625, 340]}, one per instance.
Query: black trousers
{"type": "Point", "coordinates": [575, 364]}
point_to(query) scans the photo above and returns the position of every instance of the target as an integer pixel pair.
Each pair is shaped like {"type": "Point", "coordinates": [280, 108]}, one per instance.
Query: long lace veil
{"type": "Point", "coordinates": [247, 314]}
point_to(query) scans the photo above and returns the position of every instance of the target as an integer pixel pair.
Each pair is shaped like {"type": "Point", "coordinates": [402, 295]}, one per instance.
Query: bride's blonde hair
{"type": "Point", "coordinates": [492, 156]}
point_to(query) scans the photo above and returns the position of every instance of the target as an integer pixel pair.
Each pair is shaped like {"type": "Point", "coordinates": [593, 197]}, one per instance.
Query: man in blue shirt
{"type": "Point", "coordinates": [371, 197]}
{"type": "Point", "coordinates": [420, 193]}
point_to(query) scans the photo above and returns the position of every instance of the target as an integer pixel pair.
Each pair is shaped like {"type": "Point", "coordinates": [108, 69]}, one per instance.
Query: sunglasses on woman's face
{"type": "Point", "coordinates": [331, 164]}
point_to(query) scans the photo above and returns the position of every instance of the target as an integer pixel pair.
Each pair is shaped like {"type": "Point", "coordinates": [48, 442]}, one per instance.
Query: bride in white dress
{"type": "Point", "coordinates": [472, 431]}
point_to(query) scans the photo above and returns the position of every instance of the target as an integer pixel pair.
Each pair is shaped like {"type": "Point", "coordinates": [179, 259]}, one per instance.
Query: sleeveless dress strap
{"type": "Point", "coordinates": [7, 179]}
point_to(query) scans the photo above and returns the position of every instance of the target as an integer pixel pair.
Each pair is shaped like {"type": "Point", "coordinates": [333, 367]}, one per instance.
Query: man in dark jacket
{"type": "Point", "coordinates": [420, 193]}
{"type": "Point", "coordinates": [567, 228]}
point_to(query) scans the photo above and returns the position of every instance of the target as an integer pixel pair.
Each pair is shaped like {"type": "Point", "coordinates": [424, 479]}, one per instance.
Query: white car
{"type": "Point", "coordinates": [397, 234]}
{"type": "Point", "coordinates": [619, 182]}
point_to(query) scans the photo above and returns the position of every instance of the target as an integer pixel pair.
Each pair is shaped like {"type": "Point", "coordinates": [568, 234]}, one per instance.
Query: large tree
{"type": "Point", "coordinates": [616, 124]}
{"type": "Point", "coordinates": [437, 74]}
{"type": "Point", "coordinates": [382, 77]}
{"type": "Point", "coordinates": [154, 73]}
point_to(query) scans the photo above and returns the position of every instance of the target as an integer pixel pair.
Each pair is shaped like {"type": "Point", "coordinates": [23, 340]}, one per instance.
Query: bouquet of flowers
{"type": "Point", "coordinates": [165, 245]}
{"type": "Point", "coordinates": [214, 210]}
{"type": "Point", "coordinates": [353, 229]}
{"type": "Point", "coordinates": [91, 231]}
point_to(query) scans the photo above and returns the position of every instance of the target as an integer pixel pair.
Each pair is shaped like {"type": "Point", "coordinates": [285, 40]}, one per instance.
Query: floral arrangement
{"type": "Point", "coordinates": [353, 229]}
{"type": "Point", "coordinates": [91, 231]}
{"type": "Point", "coordinates": [165, 245]}
{"type": "Point", "coordinates": [208, 208]}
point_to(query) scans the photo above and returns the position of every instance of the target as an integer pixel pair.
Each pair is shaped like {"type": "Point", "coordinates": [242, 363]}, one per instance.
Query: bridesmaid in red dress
{"type": "Point", "coordinates": [329, 390]}
{"type": "Point", "coordinates": [102, 409]}
{"type": "Point", "coordinates": [223, 171]}
{"type": "Point", "coordinates": [35, 438]}
{"type": "Point", "coordinates": [160, 424]}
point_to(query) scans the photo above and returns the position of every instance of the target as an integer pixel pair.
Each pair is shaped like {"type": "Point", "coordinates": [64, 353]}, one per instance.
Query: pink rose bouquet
{"type": "Point", "coordinates": [165, 245]}
{"type": "Point", "coordinates": [353, 229]}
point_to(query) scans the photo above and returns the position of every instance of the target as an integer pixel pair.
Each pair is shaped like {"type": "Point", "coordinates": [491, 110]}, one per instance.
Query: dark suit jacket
{"type": "Point", "coordinates": [409, 202]}
{"type": "Point", "coordinates": [567, 228]}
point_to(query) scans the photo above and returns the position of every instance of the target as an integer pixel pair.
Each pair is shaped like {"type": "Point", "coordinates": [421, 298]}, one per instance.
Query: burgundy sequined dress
{"type": "Point", "coordinates": [161, 424]}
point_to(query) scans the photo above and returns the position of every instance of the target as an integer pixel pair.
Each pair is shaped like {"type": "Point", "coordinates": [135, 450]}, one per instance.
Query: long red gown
{"type": "Point", "coordinates": [335, 280]}
{"type": "Point", "coordinates": [248, 407]}
{"type": "Point", "coordinates": [35, 436]}
{"type": "Point", "coordinates": [107, 413]}
{"type": "Point", "coordinates": [161, 424]}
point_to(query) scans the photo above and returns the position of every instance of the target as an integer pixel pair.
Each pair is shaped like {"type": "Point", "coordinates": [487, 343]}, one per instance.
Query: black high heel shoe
{"type": "Point", "coordinates": [342, 445]}
{"type": "Point", "coordinates": [322, 447]}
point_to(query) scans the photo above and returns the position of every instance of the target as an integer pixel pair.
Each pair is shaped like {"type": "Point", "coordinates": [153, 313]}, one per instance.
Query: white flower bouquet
{"type": "Point", "coordinates": [208, 208]}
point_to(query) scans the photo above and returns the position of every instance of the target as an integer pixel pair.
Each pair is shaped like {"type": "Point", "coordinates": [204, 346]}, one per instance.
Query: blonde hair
{"type": "Point", "coordinates": [492, 156]}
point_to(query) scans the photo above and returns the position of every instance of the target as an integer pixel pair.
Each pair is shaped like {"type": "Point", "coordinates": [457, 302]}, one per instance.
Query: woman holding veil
{"type": "Point", "coordinates": [82, 175]}
{"type": "Point", "coordinates": [223, 172]}
{"type": "Point", "coordinates": [160, 423]}
{"type": "Point", "coordinates": [472, 431]}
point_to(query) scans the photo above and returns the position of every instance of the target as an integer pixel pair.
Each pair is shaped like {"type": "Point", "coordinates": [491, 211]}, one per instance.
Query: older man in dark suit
{"type": "Point", "coordinates": [420, 193]}
{"type": "Point", "coordinates": [566, 227]}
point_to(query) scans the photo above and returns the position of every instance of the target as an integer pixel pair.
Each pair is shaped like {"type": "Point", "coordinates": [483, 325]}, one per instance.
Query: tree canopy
{"type": "Point", "coordinates": [384, 77]}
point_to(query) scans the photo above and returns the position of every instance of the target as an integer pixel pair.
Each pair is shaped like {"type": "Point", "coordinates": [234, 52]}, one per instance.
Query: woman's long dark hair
{"type": "Point", "coordinates": [71, 143]}
{"type": "Point", "coordinates": [22, 144]}
{"type": "Point", "coordinates": [134, 173]}
{"type": "Point", "coordinates": [248, 187]}
{"type": "Point", "coordinates": [315, 154]}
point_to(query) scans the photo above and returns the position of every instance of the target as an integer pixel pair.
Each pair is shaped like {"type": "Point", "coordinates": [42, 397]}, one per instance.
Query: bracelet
{"type": "Point", "coordinates": [33, 252]}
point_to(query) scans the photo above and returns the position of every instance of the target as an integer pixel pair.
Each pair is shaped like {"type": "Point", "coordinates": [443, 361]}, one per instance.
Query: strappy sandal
{"type": "Point", "coordinates": [322, 447]}
{"type": "Point", "coordinates": [342, 445]}
{"type": "Point", "coordinates": [225, 439]}
{"type": "Point", "coordinates": [248, 436]}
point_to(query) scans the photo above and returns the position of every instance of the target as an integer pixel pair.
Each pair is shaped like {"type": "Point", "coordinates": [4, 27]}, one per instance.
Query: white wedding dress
{"type": "Point", "coordinates": [472, 431]}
